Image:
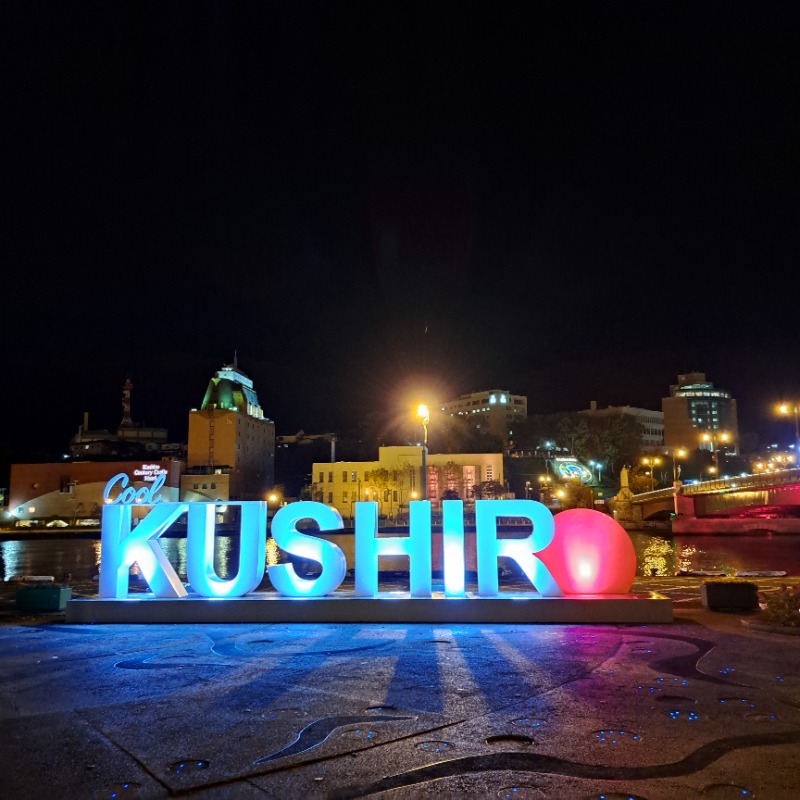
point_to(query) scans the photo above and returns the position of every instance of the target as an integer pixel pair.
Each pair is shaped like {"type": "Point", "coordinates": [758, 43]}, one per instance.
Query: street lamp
{"type": "Point", "coordinates": [547, 446]}
{"type": "Point", "coordinates": [652, 462]}
{"type": "Point", "coordinates": [679, 452]}
{"type": "Point", "coordinates": [544, 489]}
{"type": "Point", "coordinates": [424, 416]}
{"type": "Point", "coordinates": [786, 409]}
{"type": "Point", "coordinates": [598, 465]}
{"type": "Point", "coordinates": [713, 440]}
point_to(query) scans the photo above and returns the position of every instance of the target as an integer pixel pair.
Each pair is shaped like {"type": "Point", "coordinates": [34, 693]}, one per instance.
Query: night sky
{"type": "Point", "coordinates": [369, 201]}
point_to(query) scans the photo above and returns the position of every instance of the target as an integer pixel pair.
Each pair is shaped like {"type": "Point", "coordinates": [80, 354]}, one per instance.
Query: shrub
{"type": "Point", "coordinates": [781, 607]}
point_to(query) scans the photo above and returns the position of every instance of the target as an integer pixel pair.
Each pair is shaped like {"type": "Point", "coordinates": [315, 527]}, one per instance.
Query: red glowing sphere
{"type": "Point", "coordinates": [591, 553]}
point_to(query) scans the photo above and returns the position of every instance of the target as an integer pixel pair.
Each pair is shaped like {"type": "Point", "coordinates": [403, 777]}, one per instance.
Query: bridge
{"type": "Point", "coordinates": [767, 501]}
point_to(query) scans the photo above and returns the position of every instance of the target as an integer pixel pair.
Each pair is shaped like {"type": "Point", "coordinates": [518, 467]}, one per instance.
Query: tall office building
{"type": "Point", "coordinates": [495, 410]}
{"type": "Point", "coordinates": [695, 408]}
{"type": "Point", "coordinates": [231, 449]}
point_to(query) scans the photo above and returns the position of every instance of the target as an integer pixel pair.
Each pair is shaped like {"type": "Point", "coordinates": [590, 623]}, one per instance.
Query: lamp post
{"type": "Point", "coordinates": [679, 452]}
{"type": "Point", "coordinates": [789, 408]}
{"type": "Point", "coordinates": [544, 490]}
{"type": "Point", "coordinates": [598, 465]}
{"type": "Point", "coordinates": [713, 440]}
{"type": "Point", "coordinates": [424, 416]}
{"type": "Point", "coordinates": [652, 462]}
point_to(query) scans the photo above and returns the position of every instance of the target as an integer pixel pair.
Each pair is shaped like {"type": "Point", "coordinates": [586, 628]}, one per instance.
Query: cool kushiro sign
{"type": "Point", "coordinates": [579, 551]}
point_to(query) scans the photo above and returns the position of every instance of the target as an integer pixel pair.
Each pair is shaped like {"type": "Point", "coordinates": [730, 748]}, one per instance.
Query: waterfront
{"type": "Point", "coordinates": [658, 554]}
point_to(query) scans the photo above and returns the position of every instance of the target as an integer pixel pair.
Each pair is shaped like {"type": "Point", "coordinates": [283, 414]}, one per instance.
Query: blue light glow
{"type": "Point", "coordinates": [489, 548]}
{"type": "Point", "coordinates": [200, 542]}
{"type": "Point", "coordinates": [327, 554]}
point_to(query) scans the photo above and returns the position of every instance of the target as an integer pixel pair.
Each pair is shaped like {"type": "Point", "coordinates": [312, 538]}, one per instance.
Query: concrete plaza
{"type": "Point", "coordinates": [707, 706]}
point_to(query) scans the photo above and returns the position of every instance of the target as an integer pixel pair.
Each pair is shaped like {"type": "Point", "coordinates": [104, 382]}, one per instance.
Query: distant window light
{"type": "Point", "coordinates": [492, 399]}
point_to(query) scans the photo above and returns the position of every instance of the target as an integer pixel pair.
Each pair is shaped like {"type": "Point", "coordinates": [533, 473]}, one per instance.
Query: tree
{"type": "Point", "coordinates": [488, 490]}
{"type": "Point", "coordinates": [461, 435]}
{"type": "Point", "coordinates": [575, 495]}
{"type": "Point", "coordinates": [453, 481]}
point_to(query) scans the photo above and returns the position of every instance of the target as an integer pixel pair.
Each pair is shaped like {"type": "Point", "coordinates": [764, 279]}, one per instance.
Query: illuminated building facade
{"type": "Point", "coordinates": [652, 422]}
{"type": "Point", "coordinates": [231, 446]}
{"type": "Point", "coordinates": [72, 492]}
{"type": "Point", "coordinates": [496, 410]}
{"type": "Point", "coordinates": [696, 407]}
{"type": "Point", "coordinates": [393, 480]}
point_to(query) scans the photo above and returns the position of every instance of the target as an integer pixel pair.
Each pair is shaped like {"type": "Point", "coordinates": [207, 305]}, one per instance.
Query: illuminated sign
{"type": "Point", "coordinates": [580, 551]}
{"type": "Point", "coordinates": [147, 495]}
{"type": "Point", "coordinates": [149, 472]}
{"type": "Point", "coordinates": [569, 467]}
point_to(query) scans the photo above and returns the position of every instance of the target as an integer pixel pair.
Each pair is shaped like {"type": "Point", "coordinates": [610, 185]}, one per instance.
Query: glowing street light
{"type": "Point", "coordinates": [424, 416]}
{"type": "Point", "coordinates": [789, 408]}
{"type": "Point", "coordinates": [652, 462]}
{"type": "Point", "coordinates": [598, 465]}
{"type": "Point", "coordinates": [714, 439]}
{"type": "Point", "coordinates": [548, 446]}
{"type": "Point", "coordinates": [544, 488]}
{"type": "Point", "coordinates": [678, 452]}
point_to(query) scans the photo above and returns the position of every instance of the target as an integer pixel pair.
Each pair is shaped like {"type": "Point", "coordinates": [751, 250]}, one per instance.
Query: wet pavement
{"type": "Point", "coordinates": [705, 707]}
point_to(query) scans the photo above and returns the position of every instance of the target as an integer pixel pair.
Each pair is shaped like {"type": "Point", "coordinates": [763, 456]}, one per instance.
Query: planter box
{"type": "Point", "coordinates": [42, 599]}
{"type": "Point", "coordinates": [729, 595]}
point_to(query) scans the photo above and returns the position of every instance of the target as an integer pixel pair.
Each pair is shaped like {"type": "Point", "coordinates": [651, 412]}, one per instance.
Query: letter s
{"type": "Point", "coordinates": [327, 554]}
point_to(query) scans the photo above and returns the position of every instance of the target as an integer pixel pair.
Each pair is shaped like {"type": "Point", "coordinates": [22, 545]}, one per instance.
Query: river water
{"type": "Point", "coordinates": [658, 554]}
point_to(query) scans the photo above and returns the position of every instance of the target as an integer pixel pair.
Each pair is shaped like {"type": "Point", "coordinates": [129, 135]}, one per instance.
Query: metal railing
{"type": "Point", "coordinates": [763, 480]}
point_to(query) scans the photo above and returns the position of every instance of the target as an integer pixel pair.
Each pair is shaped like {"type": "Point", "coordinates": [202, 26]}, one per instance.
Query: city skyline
{"type": "Point", "coordinates": [573, 203]}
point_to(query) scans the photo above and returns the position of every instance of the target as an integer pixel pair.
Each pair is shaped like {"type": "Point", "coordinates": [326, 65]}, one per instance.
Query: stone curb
{"type": "Point", "coordinates": [786, 630]}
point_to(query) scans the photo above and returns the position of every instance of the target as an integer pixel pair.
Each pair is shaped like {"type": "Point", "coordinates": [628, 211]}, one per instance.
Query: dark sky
{"type": "Point", "coordinates": [363, 201]}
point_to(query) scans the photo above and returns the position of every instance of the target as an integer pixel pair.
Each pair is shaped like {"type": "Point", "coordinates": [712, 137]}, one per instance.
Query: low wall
{"type": "Point", "coordinates": [712, 525]}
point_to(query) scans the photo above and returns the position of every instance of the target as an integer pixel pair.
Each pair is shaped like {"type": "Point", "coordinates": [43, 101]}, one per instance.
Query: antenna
{"type": "Point", "coordinates": [127, 422]}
